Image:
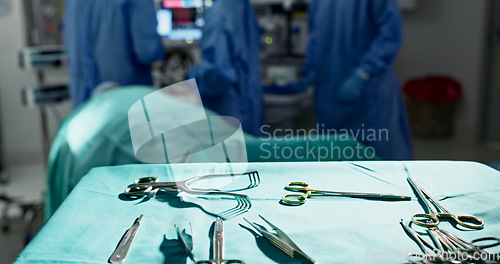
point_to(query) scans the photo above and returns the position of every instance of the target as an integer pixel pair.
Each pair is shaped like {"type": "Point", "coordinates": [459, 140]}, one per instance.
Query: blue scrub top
{"type": "Point", "coordinates": [229, 75]}
{"type": "Point", "coordinates": [112, 40]}
{"type": "Point", "coordinates": [346, 35]}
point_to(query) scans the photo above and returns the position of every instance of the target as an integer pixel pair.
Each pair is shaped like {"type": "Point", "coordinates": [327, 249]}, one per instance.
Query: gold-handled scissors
{"type": "Point", "coordinates": [298, 199]}
{"type": "Point", "coordinates": [431, 219]}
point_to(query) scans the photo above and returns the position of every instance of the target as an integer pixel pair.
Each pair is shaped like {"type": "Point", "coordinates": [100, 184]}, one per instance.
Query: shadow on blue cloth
{"type": "Point", "coordinates": [211, 231]}
{"type": "Point", "coordinates": [172, 251]}
{"type": "Point", "coordinates": [176, 201]}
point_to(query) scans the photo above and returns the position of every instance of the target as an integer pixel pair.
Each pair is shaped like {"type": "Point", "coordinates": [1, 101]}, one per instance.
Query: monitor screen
{"type": "Point", "coordinates": [181, 19]}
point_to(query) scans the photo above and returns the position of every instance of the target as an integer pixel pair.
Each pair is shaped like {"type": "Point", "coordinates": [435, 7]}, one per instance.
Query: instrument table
{"type": "Point", "coordinates": [87, 227]}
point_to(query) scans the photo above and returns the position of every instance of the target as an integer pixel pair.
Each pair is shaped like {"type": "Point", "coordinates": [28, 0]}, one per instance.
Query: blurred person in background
{"type": "Point", "coordinates": [109, 41]}
{"type": "Point", "coordinates": [351, 48]}
{"type": "Point", "coordinates": [228, 76]}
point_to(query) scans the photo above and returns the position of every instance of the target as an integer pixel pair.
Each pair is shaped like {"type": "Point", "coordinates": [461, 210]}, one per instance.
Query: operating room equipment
{"type": "Point", "coordinates": [299, 199]}
{"type": "Point", "coordinates": [45, 95]}
{"type": "Point", "coordinates": [42, 22]}
{"type": "Point", "coordinates": [431, 217]}
{"type": "Point", "coordinates": [274, 31]}
{"type": "Point", "coordinates": [51, 56]}
{"type": "Point", "coordinates": [180, 22]}
{"type": "Point", "coordinates": [283, 43]}
{"type": "Point", "coordinates": [43, 50]}
{"type": "Point", "coordinates": [41, 53]}
{"type": "Point", "coordinates": [30, 212]}
{"type": "Point", "coordinates": [284, 28]}
{"type": "Point", "coordinates": [448, 248]}
{"type": "Point", "coordinates": [282, 241]}
{"type": "Point", "coordinates": [217, 246]}
{"type": "Point", "coordinates": [124, 245]}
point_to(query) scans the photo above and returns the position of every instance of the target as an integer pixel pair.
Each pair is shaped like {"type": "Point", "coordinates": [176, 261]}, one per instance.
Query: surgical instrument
{"type": "Point", "coordinates": [148, 185]}
{"type": "Point", "coordinates": [299, 199]}
{"type": "Point", "coordinates": [186, 243]}
{"type": "Point", "coordinates": [218, 247]}
{"type": "Point", "coordinates": [282, 241]}
{"type": "Point", "coordinates": [452, 242]}
{"type": "Point", "coordinates": [448, 248]}
{"type": "Point", "coordinates": [431, 219]}
{"type": "Point", "coordinates": [434, 255]}
{"type": "Point", "coordinates": [124, 245]}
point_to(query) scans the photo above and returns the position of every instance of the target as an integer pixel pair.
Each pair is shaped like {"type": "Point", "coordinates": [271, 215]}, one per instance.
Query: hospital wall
{"type": "Point", "coordinates": [447, 37]}
{"type": "Point", "coordinates": [441, 37]}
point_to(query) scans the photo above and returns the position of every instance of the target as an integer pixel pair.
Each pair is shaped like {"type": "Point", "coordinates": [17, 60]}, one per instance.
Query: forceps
{"type": "Point", "coordinates": [217, 245]}
{"type": "Point", "coordinates": [453, 243]}
{"type": "Point", "coordinates": [282, 241]}
{"type": "Point", "coordinates": [432, 219]}
{"type": "Point", "coordinates": [149, 185]}
{"type": "Point", "coordinates": [445, 243]}
{"type": "Point", "coordinates": [299, 199]}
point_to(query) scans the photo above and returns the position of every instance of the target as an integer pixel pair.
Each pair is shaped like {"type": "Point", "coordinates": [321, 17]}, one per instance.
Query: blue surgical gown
{"type": "Point", "coordinates": [228, 76]}
{"type": "Point", "coordinates": [359, 34]}
{"type": "Point", "coordinates": [110, 40]}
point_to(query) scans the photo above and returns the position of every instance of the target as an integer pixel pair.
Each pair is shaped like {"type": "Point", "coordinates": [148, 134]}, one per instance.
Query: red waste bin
{"type": "Point", "coordinates": [431, 103]}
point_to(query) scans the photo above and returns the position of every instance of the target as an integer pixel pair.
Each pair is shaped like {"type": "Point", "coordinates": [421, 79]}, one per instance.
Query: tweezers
{"type": "Point", "coordinates": [282, 241]}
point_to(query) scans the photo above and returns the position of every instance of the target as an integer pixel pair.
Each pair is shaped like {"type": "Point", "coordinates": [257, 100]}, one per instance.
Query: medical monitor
{"type": "Point", "coordinates": [181, 19]}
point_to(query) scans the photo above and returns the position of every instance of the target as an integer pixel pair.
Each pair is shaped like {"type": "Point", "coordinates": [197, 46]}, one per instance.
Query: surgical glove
{"type": "Point", "coordinates": [303, 83]}
{"type": "Point", "coordinates": [278, 89]}
{"type": "Point", "coordinates": [351, 89]}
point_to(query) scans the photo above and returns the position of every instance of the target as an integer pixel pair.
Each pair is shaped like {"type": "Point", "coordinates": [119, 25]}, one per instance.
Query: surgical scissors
{"type": "Point", "coordinates": [299, 199]}
{"type": "Point", "coordinates": [149, 185]}
{"type": "Point", "coordinates": [432, 218]}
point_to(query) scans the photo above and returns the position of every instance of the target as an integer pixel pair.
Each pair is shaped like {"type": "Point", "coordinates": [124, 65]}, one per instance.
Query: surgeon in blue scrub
{"type": "Point", "coordinates": [109, 41]}
{"type": "Point", "coordinates": [350, 52]}
{"type": "Point", "coordinates": [228, 76]}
